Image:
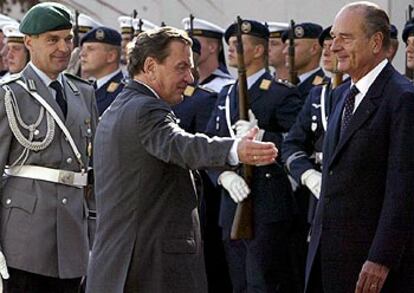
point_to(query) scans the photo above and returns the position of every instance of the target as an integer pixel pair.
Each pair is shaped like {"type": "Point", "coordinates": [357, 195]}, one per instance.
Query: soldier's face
{"type": "Point", "coordinates": [410, 52]}
{"type": "Point", "coordinates": [16, 57]}
{"type": "Point", "coordinates": [276, 57]}
{"type": "Point", "coordinates": [304, 52]}
{"type": "Point", "coordinates": [170, 78]}
{"type": "Point", "coordinates": [328, 58]}
{"type": "Point", "coordinates": [353, 48]}
{"type": "Point", "coordinates": [95, 58]}
{"type": "Point", "coordinates": [249, 51]}
{"type": "Point", "coordinates": [50, 51]}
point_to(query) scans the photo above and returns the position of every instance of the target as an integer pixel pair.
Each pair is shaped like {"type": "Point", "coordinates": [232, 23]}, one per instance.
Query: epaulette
{"type": "Point", "coordinates": [10, 78]}
{"type": "Point", "coordinates": [70, 75]}
{"type": "Point", "coordinates": [265, 84]}
{"type": "Point", "coordinates": [285, 82]}
{"type": "Point", "coordinates": [318, 80]}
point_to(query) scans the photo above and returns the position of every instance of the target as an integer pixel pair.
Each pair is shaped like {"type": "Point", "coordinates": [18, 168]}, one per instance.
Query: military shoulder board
{"type": "Point", "coordinates": [206, 89]}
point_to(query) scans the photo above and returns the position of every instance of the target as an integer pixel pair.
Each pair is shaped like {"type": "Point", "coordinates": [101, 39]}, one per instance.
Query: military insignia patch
{"type": "Point", "coordinates": [112, 87]}
{"type": "Point", "coordinates": [246, 27]}
{"type": "Point", "coordinates": [189, 91]}
{"type": "Point", "coordinates": [317, 80]}
{"type": "Point", "coordinates": [265, 84]}
{"type": "Point", "coordinates": [99, 34]}
{"type": "Point", "coordinates": [299, 32]}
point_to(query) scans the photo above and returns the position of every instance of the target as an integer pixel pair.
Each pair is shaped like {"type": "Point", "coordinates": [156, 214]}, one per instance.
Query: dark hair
{"type": "Point", "coordinates": [376, 20]}
{"type": "Point", "coordinates": [153, 43]}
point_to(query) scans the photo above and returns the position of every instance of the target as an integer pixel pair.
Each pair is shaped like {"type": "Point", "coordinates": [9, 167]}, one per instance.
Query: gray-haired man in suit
{"type": "Point", "coordinates": [148, 232]}
{"type": "Point", "coordinates": [47, 121]}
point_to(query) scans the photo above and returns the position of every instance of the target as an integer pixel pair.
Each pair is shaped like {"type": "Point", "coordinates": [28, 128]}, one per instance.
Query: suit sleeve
{"type": "Point", "coordinates": [163, 138]}
{"type": "Point", "coordinates": [396, 220]}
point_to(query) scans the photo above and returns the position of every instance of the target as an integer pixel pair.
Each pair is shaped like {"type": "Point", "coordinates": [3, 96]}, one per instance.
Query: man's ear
{"type": "Point", "coordinates": [377, 42]}
{"type": "Point", "coordinates": [28, 42]}
{"type": "Point", "coordinates": [150, 67]}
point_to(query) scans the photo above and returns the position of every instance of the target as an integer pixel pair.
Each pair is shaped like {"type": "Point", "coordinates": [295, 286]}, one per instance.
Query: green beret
{"type": "Point", "coordinates": [44, 17]}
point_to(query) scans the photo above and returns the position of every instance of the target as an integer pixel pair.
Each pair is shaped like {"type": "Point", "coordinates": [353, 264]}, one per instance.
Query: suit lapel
{"type": "Point", "coordinates": [364, 111]}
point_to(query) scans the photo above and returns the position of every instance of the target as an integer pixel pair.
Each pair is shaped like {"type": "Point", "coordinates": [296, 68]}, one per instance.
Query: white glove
{"type": "Point", "coordinates": [235, 185]}
{"type": "Point", "coordinates": [242, 127]}
{"type": "Point", "coordinates": [312, 179]}
{"type": "Point", "coordinates": [3, 271]}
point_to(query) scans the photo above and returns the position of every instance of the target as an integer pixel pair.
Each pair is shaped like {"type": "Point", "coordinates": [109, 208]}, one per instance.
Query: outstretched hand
{"type": "Point", "coordinates": [253, 152]}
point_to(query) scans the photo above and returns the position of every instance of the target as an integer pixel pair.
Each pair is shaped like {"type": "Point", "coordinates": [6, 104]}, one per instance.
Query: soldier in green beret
{"type": "Point", "coordinates": [47, 122]}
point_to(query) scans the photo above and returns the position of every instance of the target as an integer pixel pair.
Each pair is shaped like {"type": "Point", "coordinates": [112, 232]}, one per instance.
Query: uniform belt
{"type": "Point", "coordinates": [76, 179]}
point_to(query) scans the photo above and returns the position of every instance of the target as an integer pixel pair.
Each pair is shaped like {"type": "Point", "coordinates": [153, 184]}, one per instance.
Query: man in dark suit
{"type": "Point", "coordinates": [261, 263]}
{"type": "Point", "coordinates": [148, 233]}
{"type": "Point", "coordinates": [362, 235]}
{"type": "Point", "coordinates": [100, 58]}
{"type": "Point", "coordinates": [302, 153]}
{"type": "Point", "coordinates": [47, 123]}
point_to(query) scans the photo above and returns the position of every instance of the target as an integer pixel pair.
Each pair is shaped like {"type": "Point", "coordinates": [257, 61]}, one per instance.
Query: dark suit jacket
{"type": "Point", "coordinates": [276, 109]}
{"type": "Point", "coordinates": [107, 93]}
{"type": "Point", "coordinates": [366, 207]}
{"type": "Point", "coordinates": [148, 233]}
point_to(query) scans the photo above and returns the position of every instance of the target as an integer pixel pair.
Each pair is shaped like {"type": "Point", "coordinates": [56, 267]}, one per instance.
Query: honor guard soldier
{"type": "Point", "coordinates": [100, 58]}
{"type": "Point", "coordinates": [307, 56]}
{"type": "Point", "coordinates": [127, 34]}
{"type": "Point", "coordinates": [47, 122]}
{"type": "Point", "coordinates": [85, 24]}
{"type": "Point", "coordinates": [261, 264]}
{"type": "Point", "coordinates": [302, 153]}
{"type": "Point", "coordinates": [212, 63]}
{"type": "Point", "coordinates": [276, 47]}
{"type": "Point", "coordinates": [392, 50]}
{"type": "Point", "coordinates": [17, 54]}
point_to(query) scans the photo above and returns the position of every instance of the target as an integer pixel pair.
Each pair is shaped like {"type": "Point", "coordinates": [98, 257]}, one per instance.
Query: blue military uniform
{"type": "Point", "coordinates": [107, 93]}
{"type": "Point", "coordinates": [263, 261]}
{"type": "Point", "coordinates": [305, 86]}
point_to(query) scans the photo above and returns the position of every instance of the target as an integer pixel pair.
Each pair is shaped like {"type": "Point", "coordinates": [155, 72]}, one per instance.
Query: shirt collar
{"type": "Point", "coordinates": [43, 76]}
{"type": "Point", "coordinates": [305, 75]}
{"type": "Point", "coordinates": [254, 77]}
{"type": "Point", "coordinates": [365, 83]}
{"type": "Point", "coordinates": [148, 87]}
{"type": "Point", "coordinates": [101, 81]}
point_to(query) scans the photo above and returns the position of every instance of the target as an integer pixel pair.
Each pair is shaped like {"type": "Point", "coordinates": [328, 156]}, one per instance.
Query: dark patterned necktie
{"type": "Point", "coordinates": [349, 107]}
{"type": "Point", "coordinates": [60, 98]}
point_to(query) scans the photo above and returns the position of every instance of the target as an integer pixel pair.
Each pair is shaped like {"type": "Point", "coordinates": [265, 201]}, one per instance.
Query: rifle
{"type": "Point", "coordinates": [76, 31]}
{"type": "Point", "coordinates": [266, 52]}
{"type": "Point", "coordinates": [242, 227]}
{"type": "Point", "coordinates": [191, 25]}
{"type": "Point", "coordinates": [293, 75]}
{"type": "Point", "coordinates": [337, 75]}
{"type": "Point", "coordinates": [408, 17]}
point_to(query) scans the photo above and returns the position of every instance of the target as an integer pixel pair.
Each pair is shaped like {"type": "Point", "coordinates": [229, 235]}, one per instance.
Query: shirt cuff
{"type": "Point", "coordinates": [233, 157]}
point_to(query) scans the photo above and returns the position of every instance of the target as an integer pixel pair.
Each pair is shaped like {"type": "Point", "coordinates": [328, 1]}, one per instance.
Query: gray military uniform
{"type": "Point", "coordinates": [44, 224]}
